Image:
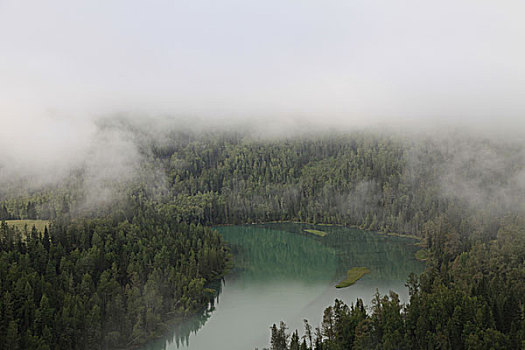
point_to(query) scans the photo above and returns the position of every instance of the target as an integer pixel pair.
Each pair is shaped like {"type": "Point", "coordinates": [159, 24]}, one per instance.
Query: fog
{"type": "Point", "coordinates": [278, 67]}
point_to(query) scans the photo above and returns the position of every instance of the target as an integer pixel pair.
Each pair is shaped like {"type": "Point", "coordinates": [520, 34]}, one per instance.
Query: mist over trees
{"type": "Point", "coordinates": [125, 253]}
{"type": "Point", "coordinates": [350, 177]}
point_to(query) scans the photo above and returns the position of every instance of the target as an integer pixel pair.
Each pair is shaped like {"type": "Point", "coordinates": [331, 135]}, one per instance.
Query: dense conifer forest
{"type": "Point", "coordinates": [112, 275]}
{"type": "Point", "coordinates": [105, 282]}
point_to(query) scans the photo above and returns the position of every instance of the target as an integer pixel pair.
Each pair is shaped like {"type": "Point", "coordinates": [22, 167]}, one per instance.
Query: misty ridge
{"type": "Point", "coordinates": [449, 90]}
{"type": "Point", "coordinates": [478, 170]}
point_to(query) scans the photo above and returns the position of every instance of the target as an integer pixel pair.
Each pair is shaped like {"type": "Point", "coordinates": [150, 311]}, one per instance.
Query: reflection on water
{"type": "Point", "coordinates": [284, 273]}
{"type": "Point", "coordinates": [390, 258]}
{"type": "Point", "coordinates": [263, 253]}
{"type": "Point", "coordinates": [180, 333]}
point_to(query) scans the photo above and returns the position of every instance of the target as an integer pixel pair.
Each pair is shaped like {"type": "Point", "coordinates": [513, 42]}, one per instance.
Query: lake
{"type": "Point", "coordinates": [283, 273]}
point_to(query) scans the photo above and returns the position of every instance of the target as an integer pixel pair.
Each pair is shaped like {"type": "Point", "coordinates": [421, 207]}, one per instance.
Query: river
{"type": "Point", "coordinates": [283, 273]}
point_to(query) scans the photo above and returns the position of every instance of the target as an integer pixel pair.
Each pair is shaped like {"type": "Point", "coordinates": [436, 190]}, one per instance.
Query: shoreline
{"type": "Point", "coordinates": [392, 234]}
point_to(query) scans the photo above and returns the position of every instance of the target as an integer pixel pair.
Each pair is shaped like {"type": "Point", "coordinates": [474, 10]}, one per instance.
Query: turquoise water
{"type": "Point", "coordinates": [283, 273]}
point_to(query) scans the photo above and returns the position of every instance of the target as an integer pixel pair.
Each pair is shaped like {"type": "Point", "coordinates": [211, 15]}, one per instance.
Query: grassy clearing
{"type": "Point", "coordinates": [352, 276]}
{"type": "Point", "coordinates": [20, 224]}
{"type": "Point", "coordinates": [316, 232]}
{"type": "Point", "coordinates": [422, 255]}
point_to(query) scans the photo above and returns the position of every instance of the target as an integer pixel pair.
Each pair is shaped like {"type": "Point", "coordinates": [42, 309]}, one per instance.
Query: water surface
{"type": "Point", "coordinates": [283, 273]}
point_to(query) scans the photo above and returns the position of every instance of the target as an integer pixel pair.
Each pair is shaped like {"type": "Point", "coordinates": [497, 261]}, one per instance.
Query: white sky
{"type": "Point", "coordinates": [63, 63]}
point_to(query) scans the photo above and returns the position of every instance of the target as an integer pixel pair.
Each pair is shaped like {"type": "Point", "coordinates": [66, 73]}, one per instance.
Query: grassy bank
{"type": "Point", "coordinates": [352, 276]}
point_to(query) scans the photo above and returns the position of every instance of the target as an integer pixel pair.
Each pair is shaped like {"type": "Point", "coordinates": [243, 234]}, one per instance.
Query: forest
{"type": "Point", "coordinates": [104, 282]}
{"type": "Point", "coordinates": [470, 300]}
{"type": "Point", "coordinates": [113, 275]}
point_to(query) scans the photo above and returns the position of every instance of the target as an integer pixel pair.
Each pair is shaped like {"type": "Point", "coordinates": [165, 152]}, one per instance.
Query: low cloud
{"type": "Point", "coordinates": [74, 95]}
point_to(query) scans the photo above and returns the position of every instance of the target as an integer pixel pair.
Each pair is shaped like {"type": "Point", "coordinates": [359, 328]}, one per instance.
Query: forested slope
{"type": "Point", "coordinates": [463, 195]}
{"type": "Point", "coordinates": [105, 282]}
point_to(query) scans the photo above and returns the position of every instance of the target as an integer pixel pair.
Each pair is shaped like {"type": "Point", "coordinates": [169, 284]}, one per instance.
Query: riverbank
{"type": "Point", "coordinates": [393, 234]}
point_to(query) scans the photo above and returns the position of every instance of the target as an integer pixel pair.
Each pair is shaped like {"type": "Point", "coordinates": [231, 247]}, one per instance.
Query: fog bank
{"type": "Point", "coordinates": [273, 68]}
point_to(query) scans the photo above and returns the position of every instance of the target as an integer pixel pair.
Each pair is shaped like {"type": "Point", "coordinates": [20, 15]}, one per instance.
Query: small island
{"type": "Point", "coordinates": [352, 276]}
{"type": "Point", "coordinates": [316, 232]}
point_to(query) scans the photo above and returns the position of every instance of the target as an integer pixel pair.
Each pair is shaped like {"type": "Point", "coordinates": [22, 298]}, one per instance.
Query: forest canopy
{"type": "Point", "coordinates": [121, 258]}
